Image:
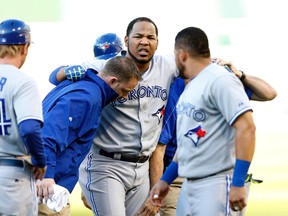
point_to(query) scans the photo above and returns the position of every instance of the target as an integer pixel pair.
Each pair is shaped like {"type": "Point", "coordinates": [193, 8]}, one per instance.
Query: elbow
{"type": "Point", "coordinates": [251, 130]}
{"type": "Point", "coordinates": [273, 94]}
{"type": "Point", "coordinates": [268, 95]}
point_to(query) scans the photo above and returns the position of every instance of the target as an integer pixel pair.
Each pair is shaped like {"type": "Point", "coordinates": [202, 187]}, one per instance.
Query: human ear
{"type": "Point", "coordinates": [113, 81]}
{"type": "Point", "coordinates": [182, 56]}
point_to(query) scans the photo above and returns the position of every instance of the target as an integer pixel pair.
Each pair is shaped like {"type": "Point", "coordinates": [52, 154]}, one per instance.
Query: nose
{"type": "Point", "coordinates": [144, 40]}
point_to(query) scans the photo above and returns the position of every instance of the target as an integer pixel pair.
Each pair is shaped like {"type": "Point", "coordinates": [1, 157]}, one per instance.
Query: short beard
{"type": "Point", "coordinates": [181, 71]}
{"type": "Point", "coordinates": [137, 61]}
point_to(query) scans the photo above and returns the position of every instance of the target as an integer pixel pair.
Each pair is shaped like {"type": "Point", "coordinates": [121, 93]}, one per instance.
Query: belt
{"type": "Point", "coordinates": [11, 162]}
{"type": "Point", "coordinates": [124, 157]}
{"type": "Point", "coordinates": [195, 179]}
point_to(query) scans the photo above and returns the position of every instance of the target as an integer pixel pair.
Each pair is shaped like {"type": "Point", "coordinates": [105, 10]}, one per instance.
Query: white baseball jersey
{"type": "Point", "coordinates": [19, 101]}
{"type": "Point", "coordinates": [209, 105]}
{"type": "Point", "coordinates": [133, 125]}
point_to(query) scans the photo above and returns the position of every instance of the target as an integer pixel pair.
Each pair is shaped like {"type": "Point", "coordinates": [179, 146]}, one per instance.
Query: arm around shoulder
{"type": "Point", "coordinates": [262, 91]}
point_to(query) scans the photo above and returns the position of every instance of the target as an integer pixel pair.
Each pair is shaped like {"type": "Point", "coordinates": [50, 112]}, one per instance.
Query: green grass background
{"type": "Point", "coordinates": [270, 164]}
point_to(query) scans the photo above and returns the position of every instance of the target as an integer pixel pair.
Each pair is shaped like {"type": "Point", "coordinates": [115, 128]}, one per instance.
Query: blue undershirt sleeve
{"type": "Point", "coordinates": [248, 92]}
{"type": "Point", "coordinates": [30, 132]}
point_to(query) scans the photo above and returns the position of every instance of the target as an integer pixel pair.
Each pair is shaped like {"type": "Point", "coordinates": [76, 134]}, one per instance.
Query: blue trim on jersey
{"type": "Point", "coordinates": [89, 179]}
{"type": "Point", "coordinates": [228, 185]}
{"type": "Point", "coordinates": [30, 132]}
{"type": "Point", "coordinates": [168, 134]}
{"type": "Point", "coordinates": [71, 116]}
{"type": "Point", "coordinates": [239, 114]}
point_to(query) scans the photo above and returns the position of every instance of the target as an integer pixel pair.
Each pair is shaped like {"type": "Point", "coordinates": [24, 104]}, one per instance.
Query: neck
{"type": "Point", "coordinates": [11, 61]}
{"type": "Point", "coordinates": [195, 66]}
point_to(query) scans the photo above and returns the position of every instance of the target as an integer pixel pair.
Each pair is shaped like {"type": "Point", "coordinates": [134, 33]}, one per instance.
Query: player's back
{"type": "Point", "coordinates": [15, 106]}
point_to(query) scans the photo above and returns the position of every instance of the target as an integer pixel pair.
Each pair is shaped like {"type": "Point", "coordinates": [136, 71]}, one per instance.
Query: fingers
{"type": "Point", "coordinates": [156, 196]}
{"type": "Point", "coordinates": [45, 188]}
{"type": "Point", "coordinates": [148, 209]}
{"type": "Point", "coordinates": [238, 205]}
{"type": "Point", "coordinates": [221, 62]}
{"type": "Point", "coordinates": [84, 200]}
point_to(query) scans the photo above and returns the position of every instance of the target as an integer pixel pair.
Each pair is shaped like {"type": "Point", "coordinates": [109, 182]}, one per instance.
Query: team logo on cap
{"type": "Point", "coordinates": [159, 114]}
{"type": "Point", "coordinates": [104, 46]}
{"type": "Point", "coordinates": [195, 134]}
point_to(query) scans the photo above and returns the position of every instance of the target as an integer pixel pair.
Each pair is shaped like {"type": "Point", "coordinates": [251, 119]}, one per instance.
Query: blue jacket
{"type": "Point", "coordinates": [168, 134]}
{"type": "Point", "coordinates": [71, 116]}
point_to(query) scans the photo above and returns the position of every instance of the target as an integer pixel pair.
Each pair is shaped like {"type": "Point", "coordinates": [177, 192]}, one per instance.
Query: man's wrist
{"type": "Point", "coordinates": [243, 76]}
{"type": "Point", "coordinates": [240, 172]}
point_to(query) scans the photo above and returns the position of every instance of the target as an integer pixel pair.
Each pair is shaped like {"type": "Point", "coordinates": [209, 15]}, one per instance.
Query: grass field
{"type": "Point", "coordinates": [270, 164]}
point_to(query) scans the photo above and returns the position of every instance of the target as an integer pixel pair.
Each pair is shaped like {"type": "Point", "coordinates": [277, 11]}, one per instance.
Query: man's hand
{"type": "Point", "coordinates": [85, 202]}
{"type": "Point", "coordinates": [155, 200]}
{"type": "Point", "coordinates": [231, 66]}
{"type": "Point", "coordinates": [237, 198]}
{"type": "Point", "coordinates": [38, 172]}
{"type": "Point", "coordinates": [45, 188]}
{"type": "Point", "coordinates": [74, 73]}
{"type": "Point", "coordinates": [148, 209]}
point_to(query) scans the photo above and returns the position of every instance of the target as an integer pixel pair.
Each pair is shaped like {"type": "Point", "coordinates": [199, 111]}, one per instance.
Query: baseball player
{"type": "Point", "coordinates": [130, 128]}
{"type": "Point", "coordinates": [168, 133]}
{"type": "Point", "coordinates": [215, 132]}
{"type": "Point", "coordinates": [71, 116]}
{"type": "Point", "coordinates": [22, 158]}
{"type": "Point", "coordinates": [106, 46]}
{"type": "Point", "coordinates": [119, 161]}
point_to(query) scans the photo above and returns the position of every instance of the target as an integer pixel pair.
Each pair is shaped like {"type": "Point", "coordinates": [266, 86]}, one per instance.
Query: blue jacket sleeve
{"type": "Point", "coordinates": [52, 77]}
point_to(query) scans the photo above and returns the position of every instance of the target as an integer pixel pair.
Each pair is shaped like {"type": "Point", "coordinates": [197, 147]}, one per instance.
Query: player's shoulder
{"type": "Point", "coordinates": [214, 71]}
{"type": "Point", "coordinates": [96, 64]}
{"type": "Point", "coordinates": [217, 77]}
{"type": "Point", "coordinates": [167, 58]}
{"type": "Point", "coordinates": [13, 73]}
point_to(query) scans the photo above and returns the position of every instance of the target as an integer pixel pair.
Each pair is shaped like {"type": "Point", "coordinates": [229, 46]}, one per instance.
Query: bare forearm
{"type": "Point", "coordinates": [245, 137]}
{"type": "Point", "coordinates": [262, 91]}
{"type": "Point", "coordinates": [61, 75]}
{"type": "Point", "coordinates": [156, 164]}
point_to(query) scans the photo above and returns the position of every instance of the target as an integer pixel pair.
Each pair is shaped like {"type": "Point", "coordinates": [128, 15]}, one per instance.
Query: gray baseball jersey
{"type": "Point", "coordinates": [133, 125]}
{"type": "Point", "coordinates": [209, 105]}
{"type": "Point", "coordinates": [19, 101]}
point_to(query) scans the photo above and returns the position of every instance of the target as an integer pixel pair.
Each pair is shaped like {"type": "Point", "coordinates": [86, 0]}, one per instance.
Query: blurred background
{"type": "Point", "coordinates": [250, 33]}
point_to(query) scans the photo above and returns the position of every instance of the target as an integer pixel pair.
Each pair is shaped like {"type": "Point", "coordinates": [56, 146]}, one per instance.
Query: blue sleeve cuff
{"type": "Point", "coordinates": [171, 173]}
{"type": "Point", "coordinates": [52, 77]}
{"type": "Point", "coordinates": [240, 173]}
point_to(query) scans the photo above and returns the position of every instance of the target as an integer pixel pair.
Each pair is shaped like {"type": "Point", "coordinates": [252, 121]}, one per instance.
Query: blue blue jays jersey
{"type": "Point", "coordinates": [71, 116]}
